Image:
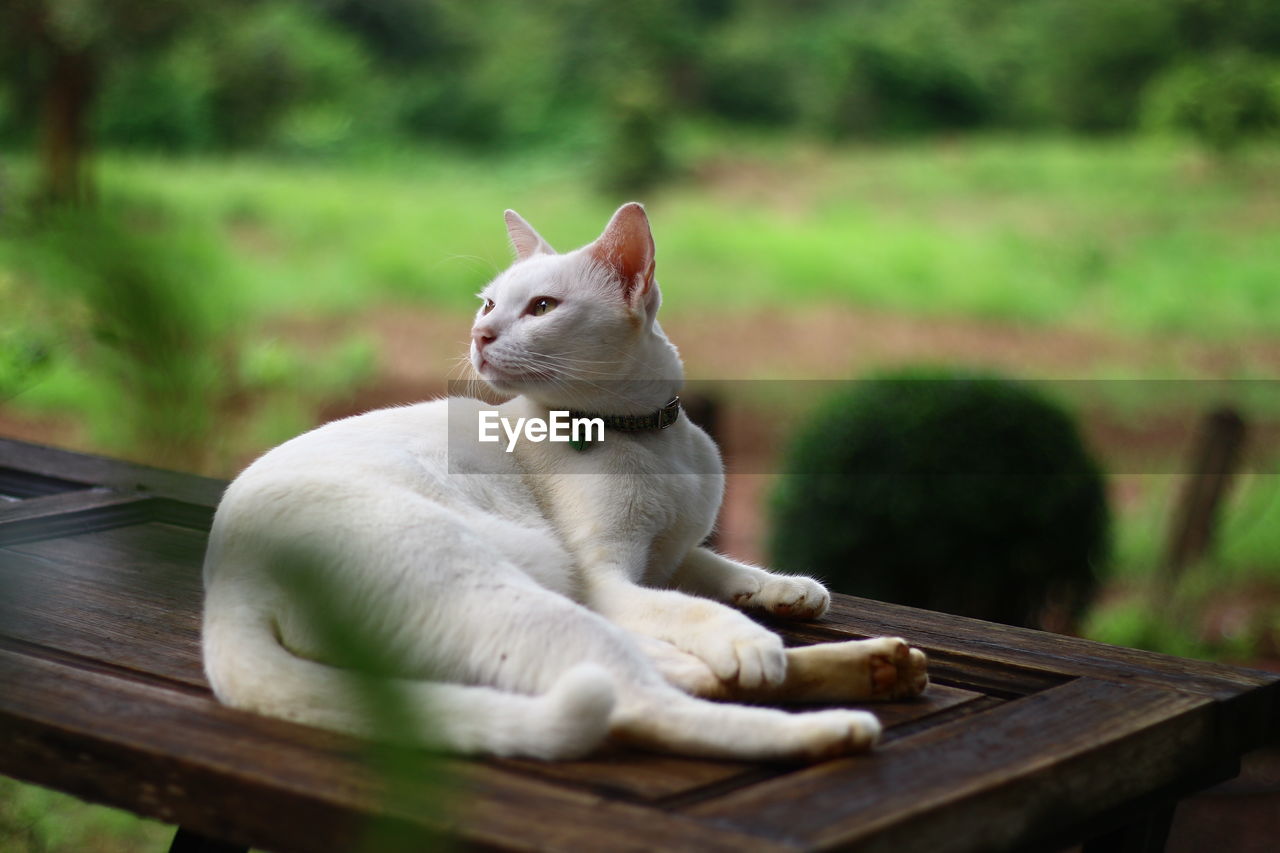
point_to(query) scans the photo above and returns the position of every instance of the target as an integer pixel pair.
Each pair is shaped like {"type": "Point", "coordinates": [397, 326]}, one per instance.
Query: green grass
{"type": "Point", "coordinates": [1239, 576]}
{"type": "Point", "coordinates": [1248, 536]}
{"type": "Point", "coordinates": [1120, 236]}
{"type": "Point", "coordinates": [37, 820]}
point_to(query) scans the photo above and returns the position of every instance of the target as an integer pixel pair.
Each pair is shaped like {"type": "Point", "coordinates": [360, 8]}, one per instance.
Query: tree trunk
{"type": "Point", "coordinates": [64, 143]}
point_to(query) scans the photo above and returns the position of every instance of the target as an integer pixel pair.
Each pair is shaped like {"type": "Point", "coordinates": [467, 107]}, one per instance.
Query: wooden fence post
{"type": "Point", "coordinates": [1217, 455]}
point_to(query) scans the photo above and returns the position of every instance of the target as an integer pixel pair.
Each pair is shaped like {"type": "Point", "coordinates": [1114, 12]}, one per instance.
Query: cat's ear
{"type": "Point", "coordinates": [524, 239]}
{"type": "Point", "coordinates": [626, 246]}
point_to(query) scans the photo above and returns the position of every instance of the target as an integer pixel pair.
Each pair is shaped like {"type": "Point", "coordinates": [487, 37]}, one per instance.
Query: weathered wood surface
{"type": "Point", "coordinates": [1025, 739]}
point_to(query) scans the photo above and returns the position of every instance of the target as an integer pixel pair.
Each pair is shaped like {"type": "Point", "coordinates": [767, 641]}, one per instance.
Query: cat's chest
{"type": "Point", "coordinates": [640, 503]}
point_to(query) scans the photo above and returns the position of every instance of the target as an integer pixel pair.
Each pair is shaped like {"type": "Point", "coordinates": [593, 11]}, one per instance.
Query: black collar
{"type": "Point", "coordinates": [660, 419]}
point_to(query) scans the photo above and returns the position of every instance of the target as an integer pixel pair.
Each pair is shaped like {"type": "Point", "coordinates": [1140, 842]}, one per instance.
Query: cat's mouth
{"type": "Point", "coordinates": [504, 376]}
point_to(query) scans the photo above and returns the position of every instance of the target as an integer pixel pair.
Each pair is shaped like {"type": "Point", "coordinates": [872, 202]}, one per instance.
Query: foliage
{"type": "Point", "coordinates": [1224, 607]}
{"type": "Point", "coordinates": [53, 53]}
{"type": "Point", "coordinates": [946, 490]}
{"type": "Point", "coordinates": [1224, 99]}
{"type": "Point", "coordinates": [325, 77]}
{"type": "Point", "coordinates": [273, 76]}
{"type": "Point", "coordinates": [37, 820]}
{"type": "Point", "coordinates": [122, 290]}
{"type": "Point", "coordinates": [1088, 61]}
{"type": "Point", "coordinates": [635, 156]}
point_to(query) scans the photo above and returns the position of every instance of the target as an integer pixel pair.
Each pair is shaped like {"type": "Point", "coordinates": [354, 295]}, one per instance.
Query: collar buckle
{"type": "Point", "coordinates": [669, 413]}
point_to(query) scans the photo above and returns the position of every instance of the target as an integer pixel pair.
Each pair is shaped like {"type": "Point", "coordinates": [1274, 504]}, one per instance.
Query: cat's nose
{"type": "Point", "coordinates": [483, 337]}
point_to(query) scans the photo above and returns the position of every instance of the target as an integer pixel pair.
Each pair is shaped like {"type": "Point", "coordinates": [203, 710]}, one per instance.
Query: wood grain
{"type": "Point", "coordinates": [636, 776]}
{"type": "Point", "coordinates": [22, 484]}
{"type": "Point", "coordinates": [1037, 650]}
{"type": "Point", "coordinates": [247, 779]}
{"type": "Point", "coordinates": [128, 596]}
{"type": "Point", "coordinates": [1028, 769]}
{"type": "Point", "coordinates": [82, 468]}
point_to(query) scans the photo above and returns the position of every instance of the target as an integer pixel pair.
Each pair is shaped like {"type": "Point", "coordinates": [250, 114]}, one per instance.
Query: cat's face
{"type": "Point", "coordinates": [555, 322]}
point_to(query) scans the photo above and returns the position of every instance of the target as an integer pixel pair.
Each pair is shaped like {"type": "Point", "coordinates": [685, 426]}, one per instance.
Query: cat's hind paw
{"type": "Point", "coordinates": [830, 734]}
{"type": "Point", "coordinates": [897, 670]}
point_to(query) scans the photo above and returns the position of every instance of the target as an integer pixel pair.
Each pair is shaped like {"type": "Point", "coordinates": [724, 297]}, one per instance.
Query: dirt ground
{"type": "Point", "coordinates": [419, 346]}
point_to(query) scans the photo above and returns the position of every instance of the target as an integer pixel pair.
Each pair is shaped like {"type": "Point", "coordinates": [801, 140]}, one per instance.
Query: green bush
{"type": "Point", "coordinates": [634, 157]}
{"type": "Point", "coordinates": [1222, 99]}
{"type": "Point", "coordinates": [956, 492]}
{"type": "Point", "coordinates": [1085, 63]}
{"type": "Point", "coordinates": [275, 76]}
{"type": "Point", "coordinates": [159, 103]}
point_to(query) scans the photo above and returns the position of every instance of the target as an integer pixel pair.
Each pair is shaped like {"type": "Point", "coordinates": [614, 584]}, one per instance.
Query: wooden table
{"type": "Point", "coordinates": [1026, 740]}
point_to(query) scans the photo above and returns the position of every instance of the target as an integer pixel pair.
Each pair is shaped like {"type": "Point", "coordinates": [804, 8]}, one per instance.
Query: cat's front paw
{"type": "Point", "coordinates": [793, 597]}
{"type": "Point", "coordinates": [739, 652]}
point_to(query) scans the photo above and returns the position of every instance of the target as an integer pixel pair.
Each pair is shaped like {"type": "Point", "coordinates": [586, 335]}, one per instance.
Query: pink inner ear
{"type": "Point", "coordinates": [627, 246]}
{"type": "Point", "coordinates": [524, 239]}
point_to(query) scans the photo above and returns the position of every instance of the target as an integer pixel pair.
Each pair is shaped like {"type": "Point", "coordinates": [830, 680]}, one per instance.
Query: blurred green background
{"type": "Point", "coordinates": [223, 223]}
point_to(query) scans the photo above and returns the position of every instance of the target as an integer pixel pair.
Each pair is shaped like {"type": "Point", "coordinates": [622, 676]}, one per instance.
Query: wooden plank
{"type": "Point", "coordinates": [129, 598]}
{"type": "Point", "coordinates": [965, 671]}
{"type": "Point", "coordinates": [96, 470]}
{"type": "Point", "coordinates": [251, 780]}
{"type": "Point", "coordinates": [670, 780]}
{"type": "Point", "coordinates": [69, 512]}
{"type": "Point", "coordinates": [104, 627]}
{"type": "Point", "coordinates": [194, 684]}
{"type": "Point", "coordinates": [1249, 699]}
{"type": "Point", "coordinates": [1038, 650]}
{"type": "Point", "coordinates": [61, 503]}
{"type": "Point", "coordinates": [639, 777]}
{"type": "Point", "coordinates": [963, 711]}
{"type": "Point", "coordinates": [937, 699]}
{"type": "Point", "coordinates": [137, 621]}
{"type": "Point", "coordinates": [650, 778]}
{"type": "Point", "coordinates": [128, 554]}
{"type": "Point", "coordinates": [1031, 768]}
{"type": "Point", "coordinates": [18, 484]}
{"type": "Point", "coordinates": [135, 616]}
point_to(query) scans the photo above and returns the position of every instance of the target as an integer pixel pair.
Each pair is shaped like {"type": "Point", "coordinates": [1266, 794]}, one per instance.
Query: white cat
{"type": "Point", "coordinates": [541, 601]}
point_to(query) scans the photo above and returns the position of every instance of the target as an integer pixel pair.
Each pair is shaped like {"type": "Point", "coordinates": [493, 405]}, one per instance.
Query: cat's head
{"type": "Point", "coordinates": [578, 329]}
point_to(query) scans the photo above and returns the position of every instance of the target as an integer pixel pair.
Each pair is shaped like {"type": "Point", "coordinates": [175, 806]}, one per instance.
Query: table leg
{"type": "Point", "coordinates": [186, 841]}
{"type": "Point", "coordinates": [1147, 834]}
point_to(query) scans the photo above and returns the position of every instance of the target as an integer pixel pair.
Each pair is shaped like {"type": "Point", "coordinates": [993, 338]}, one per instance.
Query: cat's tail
{"type": "Point", "coordinates": [248, 668]}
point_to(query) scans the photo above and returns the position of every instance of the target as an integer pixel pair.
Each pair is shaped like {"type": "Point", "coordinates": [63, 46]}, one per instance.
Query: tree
{"type": "Point", "coordinates": [57, 51]}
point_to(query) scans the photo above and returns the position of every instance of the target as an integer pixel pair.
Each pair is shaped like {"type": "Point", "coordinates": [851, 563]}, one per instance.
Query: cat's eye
{"type": "Point", "coordinates": [540, 305]}
{"type": "Point", "coordinates": [487, 307]}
